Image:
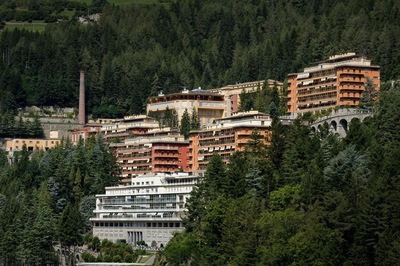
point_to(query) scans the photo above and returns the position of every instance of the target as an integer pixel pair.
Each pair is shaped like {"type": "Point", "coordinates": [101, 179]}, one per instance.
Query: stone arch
{"type": "Point", "coordinates": [366, 119]}
{"type": "Point", "coordinates": [313, 129]}
{"type": "Point", "coordinates": [319, 127]}
{"type": "Point", "coordinates": [343, 122]}
{"type": "Point", "coordinates": [333, 125]}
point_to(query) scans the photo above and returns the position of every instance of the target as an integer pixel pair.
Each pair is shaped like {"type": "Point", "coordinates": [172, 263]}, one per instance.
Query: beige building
{"type": "Point", "coordinates": [31, 144]}
{"type": "Point", "coordinates": [232, 93]}
{"type": "Point", "coordinates": [208, 105]}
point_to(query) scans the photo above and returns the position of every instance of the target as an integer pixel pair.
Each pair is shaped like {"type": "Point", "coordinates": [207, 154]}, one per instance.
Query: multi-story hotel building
{"type": "Point", "coordinates": [208, 105]}
{"type": "Point", "coordinates": [158, 150]}
{"type": "Point", "coordinates": [225, 137]}
{"type": "Point", "coordinates": [149, 209]}
{"type": "Point", "coordinates": [115, 130]}
{"type": "Point", "coordinates": [338, 81]}
{"type": "Point", "coordinates": [129, 126]}
{"type": "Point", "coordinates": [232, 93]}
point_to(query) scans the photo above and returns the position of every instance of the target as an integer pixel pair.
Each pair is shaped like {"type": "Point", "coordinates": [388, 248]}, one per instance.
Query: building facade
{"type": "Point", "coordinates": [156, 151]}
{"type": "Point", "coordinates": [208, 105]}
{"type": "Point", "coordinates": [31, 144]}
{"type": "Point", "coordinates": [129, 126]}
{"type": "Point", "coordinates": [149, 209]}
{"type": "Point", "coordinates": [338, 81]}
{"type": "Point", "coordinates": [225, 137]}
{"type": "Point", "coordinates": [232, 93]}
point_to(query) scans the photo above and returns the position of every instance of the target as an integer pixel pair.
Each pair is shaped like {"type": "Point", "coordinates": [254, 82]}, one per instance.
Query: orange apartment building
{"type": "Point", "coordinates": [156, 151]}
{"type": "Point", "coordinates": [338, 81]}
{"type": "Point", "coordinates": [225, 137]}
{"type": "Point", "coordinates": [208, 105]}
{"type": "Point", "coordinates": [232, 93]}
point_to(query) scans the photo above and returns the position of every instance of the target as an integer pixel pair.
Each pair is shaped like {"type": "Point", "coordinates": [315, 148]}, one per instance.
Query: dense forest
{"type": "Point", "coordinates": [137, 50]}
{"type": "Point", "coordinates": [306, 199]}
{"type": "Point", "coordinates": [47, 198]}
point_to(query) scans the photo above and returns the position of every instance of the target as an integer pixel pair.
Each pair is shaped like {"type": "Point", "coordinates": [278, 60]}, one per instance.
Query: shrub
{"type": "Point", "coordinates": [87, 257]}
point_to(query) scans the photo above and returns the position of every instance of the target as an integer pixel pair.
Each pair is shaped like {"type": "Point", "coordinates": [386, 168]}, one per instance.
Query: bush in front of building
{"type": "Point", "coordinates": [87, 257]}
{"type": "Point", "coordinates": [109, 251]}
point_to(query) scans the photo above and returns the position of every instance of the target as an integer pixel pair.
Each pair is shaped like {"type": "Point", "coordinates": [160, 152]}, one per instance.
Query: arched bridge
{"type": "Point", "coordinates": [339, 120]}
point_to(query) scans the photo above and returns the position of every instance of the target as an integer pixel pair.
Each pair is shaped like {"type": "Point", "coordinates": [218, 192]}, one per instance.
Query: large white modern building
{"type": "Point", "coordinates": [150, 209]}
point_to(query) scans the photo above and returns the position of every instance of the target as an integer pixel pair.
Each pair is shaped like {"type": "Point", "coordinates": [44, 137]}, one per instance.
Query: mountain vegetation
{"type": "Point", "coordinates": [46, 198]}
{"type": "Point", "coordinates": [306, 199]}
{"type": "Point", "coordinates": [136, 50]}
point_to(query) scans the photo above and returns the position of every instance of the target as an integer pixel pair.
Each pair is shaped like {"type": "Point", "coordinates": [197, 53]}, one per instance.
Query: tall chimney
{"type": "Point", "coordinates": [82, 115]}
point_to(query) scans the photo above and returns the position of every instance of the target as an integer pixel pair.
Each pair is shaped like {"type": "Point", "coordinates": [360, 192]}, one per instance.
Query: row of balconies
{"type": "Point", "coordinates": [317, 89]}
{"type": "Point", "coordinates": [133, 149]}
{"type": "Point", "coordinates": [166, 148]}
{"type": "Point", "coordinates": [348, 81]}
{"type": "Point", "coordinates": [161, 155]}
{"type": "Point", "coordinates": [217, 136]}
{"type": "Point", "coordinates": [165, 169]}
{"type": "Point", "coordinates": [317, 104]}
{"type": "Point", "coordinates": [134, 156]}
{"type": "Point", "coordinates": [174, 162]}
{"type": "Point", "coordinates": [311, 83]}
{"type": "Point", "coordinates": [316, 97]}
{"type": "Point", "coordinates": [350, 95]}
{"type": "Point", "coordinates": [227, 141]}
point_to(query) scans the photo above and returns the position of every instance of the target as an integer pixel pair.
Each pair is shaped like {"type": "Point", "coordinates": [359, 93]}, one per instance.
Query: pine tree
{"type": "Point", "coordinates": [70, 229]}
{"type": "Point", "coordinates": [185, 124]}
{"type": "Point", "coordinates": [194, 120]}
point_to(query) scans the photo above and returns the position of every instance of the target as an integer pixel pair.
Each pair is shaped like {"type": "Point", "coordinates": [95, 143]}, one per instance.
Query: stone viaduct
{"type": "Point", "coordinates": [339, 120]}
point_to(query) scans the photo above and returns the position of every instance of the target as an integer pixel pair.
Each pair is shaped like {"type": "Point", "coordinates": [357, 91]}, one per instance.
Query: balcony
{"type": "Point", "coordinates": [216, 105]}
{"type": "Point", "coordinates": [164, 169]}
{"type": "Point", "coordinates": [132, 149]}
{"type": "Point", "coordinates": [134, 156]}
{"type": "Point", "coordinates": [161, 155]}
{"type": "Point", "coordinates": [317, 97]}
{"type": "Point", "coordinates": [173, 163]}
{"type": "Point", "coordinates": [169, 148]}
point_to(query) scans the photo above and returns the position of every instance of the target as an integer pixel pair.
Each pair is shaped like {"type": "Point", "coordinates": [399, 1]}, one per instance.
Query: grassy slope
{"type": "Point", "coordinates": [124, 2]}
{"type": "Point", "coordinates": [34, 26]}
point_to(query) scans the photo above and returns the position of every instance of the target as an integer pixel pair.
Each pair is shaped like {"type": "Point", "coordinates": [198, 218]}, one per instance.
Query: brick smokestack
{"type": "Point", "coordinates": [82, 112]}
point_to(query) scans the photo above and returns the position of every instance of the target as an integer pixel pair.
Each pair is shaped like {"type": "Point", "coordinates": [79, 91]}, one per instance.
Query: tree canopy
{"type": "Point", "coordinates": [306, 199]}
{"type": "Point", "coordinates": [135, 51]}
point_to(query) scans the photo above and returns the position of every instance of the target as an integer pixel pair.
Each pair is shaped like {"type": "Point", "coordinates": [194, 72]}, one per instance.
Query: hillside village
{"type": "Point", "coordinates": [150, 150]}
{"type": "Point", "coordinates": [187, 132]}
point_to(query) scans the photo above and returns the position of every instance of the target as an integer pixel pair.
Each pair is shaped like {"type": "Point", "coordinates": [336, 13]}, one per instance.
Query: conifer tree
{"type": "Point", "coordinates": [194, 120]}
{"type": "Point", "coordinates": [185, 124]}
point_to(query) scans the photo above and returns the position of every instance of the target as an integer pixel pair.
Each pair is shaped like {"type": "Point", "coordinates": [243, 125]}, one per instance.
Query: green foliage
{"type": "Point", "coordinates": [37, 190]}
{"type": "Point", "coordinates": [21, 129]}
{"type": "Point", "coordinates": [185, 124]}
{"type": "Point", "coordinates": [306, 199]}
{"type": "Point", "coordinates": [194, 120]}
{"type": "Point", "coordinates": [109, 251]}
{"type": "Point", "coordinates": [215, 43]}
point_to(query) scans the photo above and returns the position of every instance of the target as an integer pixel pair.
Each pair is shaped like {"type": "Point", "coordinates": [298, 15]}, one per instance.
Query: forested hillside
{"type": "Point", "coordinates": [307, 199]}
{"type": "Point", "coordinates": [47, 199]}
{"type": "Point", "coordinates": [136, 50]}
